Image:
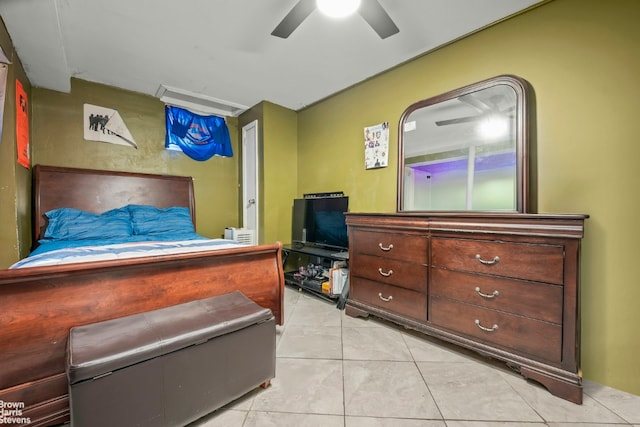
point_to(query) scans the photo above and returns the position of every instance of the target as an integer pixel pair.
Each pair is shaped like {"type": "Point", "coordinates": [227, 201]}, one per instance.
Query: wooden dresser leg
{"type": "Point", "coordinates": [562, 389]}
{"type": "Point", "coordinates": [355, 312]}
{"type": "Point", "coordinates": [266, 384]}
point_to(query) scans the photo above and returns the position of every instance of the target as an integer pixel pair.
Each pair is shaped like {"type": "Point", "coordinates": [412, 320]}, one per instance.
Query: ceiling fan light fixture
{"type": "Point", "coordinates": [338, 8]}
{"type": "Point", "coordinates": [493, 127]}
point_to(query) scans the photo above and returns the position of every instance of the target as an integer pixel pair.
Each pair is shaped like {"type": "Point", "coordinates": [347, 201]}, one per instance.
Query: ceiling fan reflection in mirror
{"type": "Point", "coordinates": [495, 107]}
{"type": "Point", "coordinates": [370, 10]}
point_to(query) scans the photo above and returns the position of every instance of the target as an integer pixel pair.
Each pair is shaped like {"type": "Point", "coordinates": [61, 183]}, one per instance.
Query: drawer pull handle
{"type": "Point", "coordinates": [386, 249]}
{"type": "Point", "coordinates": [382, 273]}
{"type": "Point", "coordinates": [383, 298]}
{"type": "Point", "coordinates": [495, 260]}
{"type": "Point", "coordinates": [491, 329]}
{"type": "Point", "coordinates": [492, 295]}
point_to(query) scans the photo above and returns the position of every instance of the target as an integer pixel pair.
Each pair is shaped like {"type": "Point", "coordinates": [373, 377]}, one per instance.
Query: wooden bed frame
{"type": "Point", "coordinates": [38, 305]}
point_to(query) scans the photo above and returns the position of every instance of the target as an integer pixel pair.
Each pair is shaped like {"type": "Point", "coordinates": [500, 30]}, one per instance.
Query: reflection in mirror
{"type": "Point", "coordinates": [466, 150]}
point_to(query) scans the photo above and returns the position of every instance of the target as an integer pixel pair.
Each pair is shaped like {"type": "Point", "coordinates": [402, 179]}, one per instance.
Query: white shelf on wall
{"type": "Point", "coordinates": [198, 102]}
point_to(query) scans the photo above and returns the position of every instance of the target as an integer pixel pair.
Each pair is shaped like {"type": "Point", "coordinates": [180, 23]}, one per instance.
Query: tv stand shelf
{"type": "Point", "coordinates": [319, 256]}
{"type": "Point", "coordinates": [311, 285]}
{"type": "Point", "coordinates": [333, 254]}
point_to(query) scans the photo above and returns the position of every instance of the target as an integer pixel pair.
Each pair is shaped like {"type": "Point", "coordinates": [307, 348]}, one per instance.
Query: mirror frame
{"type": "Point", "coordinates": [523, 95]}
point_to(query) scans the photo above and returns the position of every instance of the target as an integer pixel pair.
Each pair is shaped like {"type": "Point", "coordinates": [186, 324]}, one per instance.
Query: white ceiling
{"type": "Point", "coordinates": [223, 48]}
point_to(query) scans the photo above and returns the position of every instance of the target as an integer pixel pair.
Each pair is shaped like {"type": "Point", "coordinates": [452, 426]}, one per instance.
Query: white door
{"type": "Point", "coordinates": [409, 192]}
{"type": "Point", "coordinates": [250, 177]}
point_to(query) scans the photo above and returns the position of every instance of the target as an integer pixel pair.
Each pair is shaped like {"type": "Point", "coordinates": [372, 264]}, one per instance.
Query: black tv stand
{"type": "Point", "coordinates": [335, 254]}
{"type": "Point", "coordinates": [318, 256]}
{"type": "Point", "coordinates": [313, 285]}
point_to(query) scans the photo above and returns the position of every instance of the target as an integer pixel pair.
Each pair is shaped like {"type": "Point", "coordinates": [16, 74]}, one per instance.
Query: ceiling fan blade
{"type": "Point", "coordinates": [475, 102]}
{"type": "Point", "coordinates": [377, 18]}
{"type": "Point", "coordinates": [294, 18]}
{"type": "Point", "coordinates": [459, 120]}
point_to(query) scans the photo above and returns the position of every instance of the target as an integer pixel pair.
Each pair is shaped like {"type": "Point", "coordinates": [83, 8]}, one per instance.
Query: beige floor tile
{"type": "Point", "coordinates": [311, 342]}
{"type": "Point", "coordinates": [374, 344]}
{"type": "Point", "coordinates": [283, 419]}
{"type": "Point", "coordinates": [313, 311]}
{"type": "Point", "coordinates": [311, 386]}
{"type": "Point", "coordinates": [473, 391]}
{"type": "Point", "coordinates": [492, 424]}
{"type": "Point", "coordinates": [387, 389]}
{"type": "Point", "coordinates": [424, 349]}
{"type": "Point", "coordinates": [626, 405]}
{"type": "Point", "coordinates": [586, 424]}
{"type": "Point", "coordinates": [390, 422]}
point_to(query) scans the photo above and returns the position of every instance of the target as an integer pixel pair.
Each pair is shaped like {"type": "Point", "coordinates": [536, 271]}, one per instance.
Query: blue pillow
{"type": "Point", "coordinates": [74, 224]}
{"type": "Point", "coordinates": [151, 220]}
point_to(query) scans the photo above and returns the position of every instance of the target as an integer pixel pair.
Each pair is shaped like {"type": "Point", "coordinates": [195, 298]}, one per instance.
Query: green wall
{"type": "Point", "coordinates": [582, 59]}
{"type": "Point", "coordinates": [280, 175]}
{"type": "Point", "coordinates": [277, 168]}
{"type": "Point", "coordinates": [58, 139]}
{"type": "Point", "coordinates": [15, 180]}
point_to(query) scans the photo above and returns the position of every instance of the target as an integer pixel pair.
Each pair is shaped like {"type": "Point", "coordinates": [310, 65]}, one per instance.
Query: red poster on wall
{"type": "Point", "coordinates": [22, 125]}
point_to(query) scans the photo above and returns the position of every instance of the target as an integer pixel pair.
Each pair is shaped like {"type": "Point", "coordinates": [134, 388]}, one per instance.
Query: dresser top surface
{"type": "Point", "coordinates": [541, 225]}
{"type": "Point", "coordinates": [474, 215]}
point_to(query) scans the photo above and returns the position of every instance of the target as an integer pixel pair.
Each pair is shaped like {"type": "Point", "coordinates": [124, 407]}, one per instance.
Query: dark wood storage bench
{"type": "Point", "coordinates": [170, 366]}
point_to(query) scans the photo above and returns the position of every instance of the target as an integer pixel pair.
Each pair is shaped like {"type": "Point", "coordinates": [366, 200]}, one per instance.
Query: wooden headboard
{"type": "Point", "coordinates": [98, 191]}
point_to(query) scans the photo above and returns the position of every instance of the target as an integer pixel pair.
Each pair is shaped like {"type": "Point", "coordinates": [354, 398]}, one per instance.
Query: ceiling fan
{"type": "Point", "coordinates": [485, 108]}
{"type": "Point", "coordinates": [370, 10]}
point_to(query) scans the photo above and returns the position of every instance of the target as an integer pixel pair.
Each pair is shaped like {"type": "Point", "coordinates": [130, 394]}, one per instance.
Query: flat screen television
{"type": "Point", "coordinates": [320, 221]}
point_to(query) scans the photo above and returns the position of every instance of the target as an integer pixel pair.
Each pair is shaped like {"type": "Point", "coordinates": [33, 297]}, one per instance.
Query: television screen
{"type": "Point", "coordinates": [321, 221]}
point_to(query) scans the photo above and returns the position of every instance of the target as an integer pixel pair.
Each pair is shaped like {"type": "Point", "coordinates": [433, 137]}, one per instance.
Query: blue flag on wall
{"type": "Point", "coordinates": [199, 137]}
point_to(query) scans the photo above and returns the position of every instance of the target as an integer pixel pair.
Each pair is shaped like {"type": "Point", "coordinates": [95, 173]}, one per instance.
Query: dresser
{"type": "Point", "coordinates": [503, 285]}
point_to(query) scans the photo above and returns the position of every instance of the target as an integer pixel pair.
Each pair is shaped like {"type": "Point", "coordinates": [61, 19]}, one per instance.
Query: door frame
{"type": "Point", "coordinates": [250, 162]}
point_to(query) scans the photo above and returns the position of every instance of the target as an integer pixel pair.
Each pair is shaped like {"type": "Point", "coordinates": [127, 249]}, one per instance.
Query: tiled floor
{"type": "Point", "coordinates": [337, 371]}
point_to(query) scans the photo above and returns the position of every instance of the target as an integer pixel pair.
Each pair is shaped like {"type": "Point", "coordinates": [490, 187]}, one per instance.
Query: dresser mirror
{"type": "Point", "coordinates": [466, 150]}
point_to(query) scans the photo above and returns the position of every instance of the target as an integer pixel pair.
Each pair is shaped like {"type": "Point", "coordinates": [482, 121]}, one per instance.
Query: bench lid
{"type": "Point", "coordinates": [104, 347]}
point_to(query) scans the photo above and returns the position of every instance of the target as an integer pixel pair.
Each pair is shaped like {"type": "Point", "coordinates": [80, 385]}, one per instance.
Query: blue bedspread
{"type": "Point", "coordinates": [46, 246]}
{"type": "Point", "coordinates": [65, 252]}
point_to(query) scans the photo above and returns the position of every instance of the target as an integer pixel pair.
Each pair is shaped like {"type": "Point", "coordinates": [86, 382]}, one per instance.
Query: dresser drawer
{"type": "Point", "coordinates": [528, 261]}
{"type": "Point", "coordinates": [404, 274]}
{"type": "Point", "coordinates": [520, 334]}
{"type": "Point", "coordinates": [529, 299]}
{"type": "Point", "coordinates": [404, 247]}
{"type": "Point", "coordinates": [389, 298]}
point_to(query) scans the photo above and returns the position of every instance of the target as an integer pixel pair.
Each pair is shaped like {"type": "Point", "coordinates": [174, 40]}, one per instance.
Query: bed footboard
{"type": "Point", "coordinates": [38, 306]}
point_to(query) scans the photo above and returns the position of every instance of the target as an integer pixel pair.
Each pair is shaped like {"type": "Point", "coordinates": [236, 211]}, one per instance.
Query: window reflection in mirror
{"type": "Point", "coordinates": [465, 150]}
